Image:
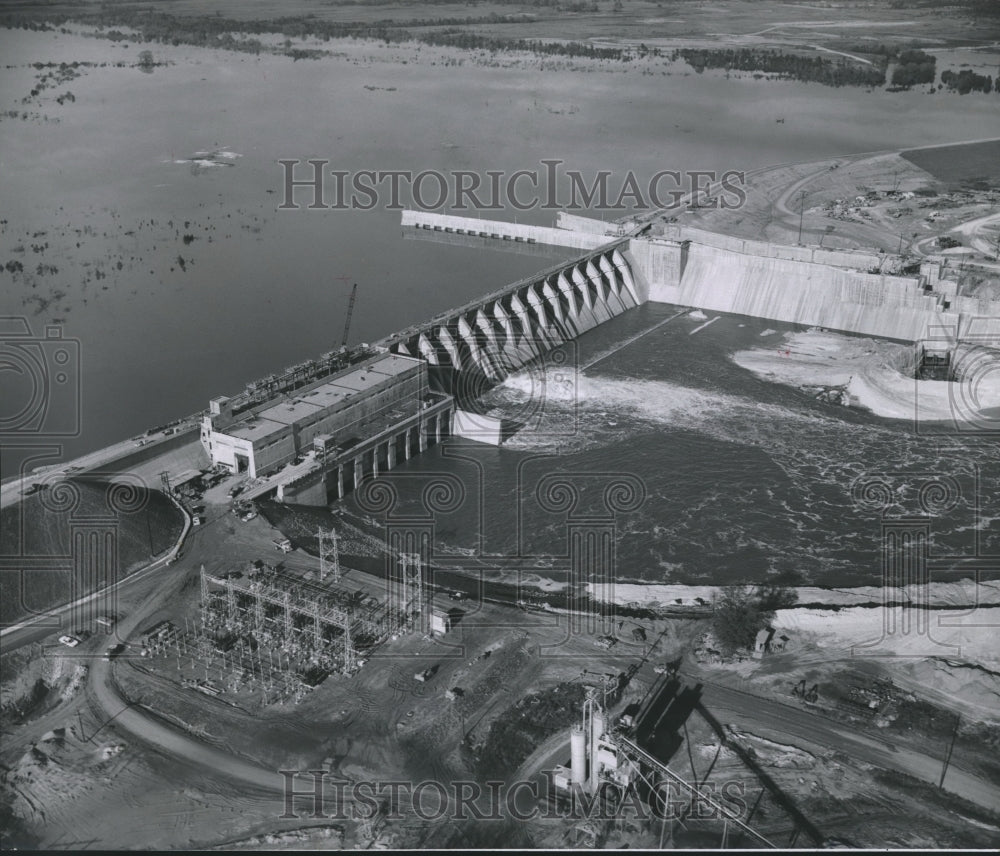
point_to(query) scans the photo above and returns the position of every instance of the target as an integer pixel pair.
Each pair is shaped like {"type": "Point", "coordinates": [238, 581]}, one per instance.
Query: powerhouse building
{"type": "Point", "coordinates": [338, 412]}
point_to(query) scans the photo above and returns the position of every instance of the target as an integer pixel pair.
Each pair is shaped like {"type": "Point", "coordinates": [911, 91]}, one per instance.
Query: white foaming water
{"type": "Point", "coordinates": [657, 400]}
{"type": "Point", "coordinates": [809, 521]}
{"type": "Point", "coordinates": [804, 443]}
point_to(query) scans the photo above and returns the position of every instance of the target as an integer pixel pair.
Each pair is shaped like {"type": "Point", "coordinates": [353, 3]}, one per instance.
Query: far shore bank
{"type": "Point", "coordinates": [878, 376]}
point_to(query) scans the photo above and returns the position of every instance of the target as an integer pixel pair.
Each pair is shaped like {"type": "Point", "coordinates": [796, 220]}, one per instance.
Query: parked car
{"type": "Point", "coordinates": [69, 641]}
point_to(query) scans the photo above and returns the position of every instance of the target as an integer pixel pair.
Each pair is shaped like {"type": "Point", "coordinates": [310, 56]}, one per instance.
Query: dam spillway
{"type": "Point", "coordinates": [479, 344]}
{"type": "Point", "coordinates": [865, 292]}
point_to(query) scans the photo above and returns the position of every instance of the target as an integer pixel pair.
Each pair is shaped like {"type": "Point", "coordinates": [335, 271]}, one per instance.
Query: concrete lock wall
{"type": "Point", "coordinates": [789, 290]}
{"type": "Point", "coordinates": [867, 260]}
{"type": "Point", "coordinates": [658, 264]}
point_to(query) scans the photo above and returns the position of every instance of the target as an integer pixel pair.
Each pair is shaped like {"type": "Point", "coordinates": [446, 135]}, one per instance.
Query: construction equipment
{"type": "Point", "coordinates": [350, 312]}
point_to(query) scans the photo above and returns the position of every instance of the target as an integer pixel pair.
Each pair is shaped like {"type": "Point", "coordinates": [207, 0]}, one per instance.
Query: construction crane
{"type": "Point", "coordinates": [350, 312]}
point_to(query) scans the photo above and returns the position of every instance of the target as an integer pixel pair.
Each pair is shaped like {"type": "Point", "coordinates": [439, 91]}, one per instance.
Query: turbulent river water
{"type": "Point", "coordinates": [724, 476]}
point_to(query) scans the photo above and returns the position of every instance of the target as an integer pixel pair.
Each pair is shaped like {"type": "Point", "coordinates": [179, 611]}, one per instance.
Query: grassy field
{"type": "Point", "coordinates": [960, 165]}
{"type": "Point", "coordinates": [34, 529]}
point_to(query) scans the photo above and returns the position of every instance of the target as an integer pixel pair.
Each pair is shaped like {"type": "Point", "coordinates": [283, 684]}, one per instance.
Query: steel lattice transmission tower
{"type": "Point", "coordinates": [329, 554]}
{"type": "Point", "coordinates": [411, 578]}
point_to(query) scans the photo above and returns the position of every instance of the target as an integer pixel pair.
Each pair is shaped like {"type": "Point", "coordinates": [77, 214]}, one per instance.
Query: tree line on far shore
{"type": "Point", "coordinates": [913, 66]}
{"type": "Point", "coordinates": [831, 72]}
{"type": "Point", "coordinates": [967, 81]}
{"type": "Point", "coordinates": [218, 32]}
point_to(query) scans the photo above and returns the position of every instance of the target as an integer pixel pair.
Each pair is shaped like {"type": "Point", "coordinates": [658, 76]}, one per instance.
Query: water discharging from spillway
{"type": "Point", "coordinates": [743, 479]}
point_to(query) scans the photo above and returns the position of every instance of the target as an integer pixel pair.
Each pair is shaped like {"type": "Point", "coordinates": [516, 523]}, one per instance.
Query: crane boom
{"type": "Point", "coordinates": [350, 312]}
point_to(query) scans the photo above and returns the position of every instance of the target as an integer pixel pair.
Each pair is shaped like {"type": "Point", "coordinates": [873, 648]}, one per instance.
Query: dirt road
{"type": "Point", "coordinates": [788, 724]}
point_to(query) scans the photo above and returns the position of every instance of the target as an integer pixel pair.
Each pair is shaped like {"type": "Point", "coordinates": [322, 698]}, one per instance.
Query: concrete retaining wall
{"type": "Point", "coordinates": [980, 321]}
{"type": "Point", "coordinates": [793, 291]}
{"type": "Point", "coordinates": [658, 265]}
{"type": "Point", "coordinates": [476, 426]}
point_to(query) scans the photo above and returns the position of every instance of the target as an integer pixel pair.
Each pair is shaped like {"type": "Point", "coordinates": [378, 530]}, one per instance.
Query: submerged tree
{"type": "Point", "coordinates": [741, 611]}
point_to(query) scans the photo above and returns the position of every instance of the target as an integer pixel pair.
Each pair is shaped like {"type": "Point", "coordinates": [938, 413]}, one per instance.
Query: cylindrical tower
{"type": "Point", "coordinates": [596, 730]}
{"type": "Point", "coordinates": [578, 755]}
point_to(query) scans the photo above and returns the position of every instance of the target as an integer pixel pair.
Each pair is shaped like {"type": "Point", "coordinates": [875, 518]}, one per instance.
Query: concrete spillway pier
{"type": "Point", "coordinates": [481, 343]}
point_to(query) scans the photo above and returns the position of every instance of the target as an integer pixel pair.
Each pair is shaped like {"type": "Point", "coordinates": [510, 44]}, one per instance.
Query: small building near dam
{"type": "Point", "coordinates": [326, 418]}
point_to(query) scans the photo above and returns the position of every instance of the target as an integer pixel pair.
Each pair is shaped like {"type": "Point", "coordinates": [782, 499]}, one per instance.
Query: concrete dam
{"type": "Point", "coordinates": [873, 304]}
{"type": "Point", "coordinates": [866, 292]}
{"type": "Point", "coordinates": [477, 345]}
{"type": "Point", "coordinates": [321, 431]}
